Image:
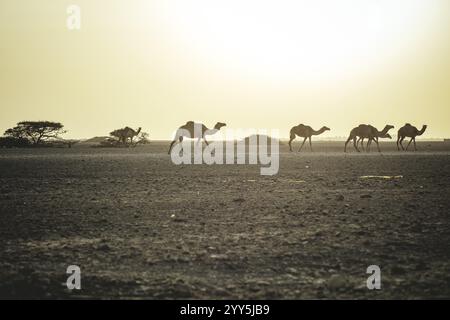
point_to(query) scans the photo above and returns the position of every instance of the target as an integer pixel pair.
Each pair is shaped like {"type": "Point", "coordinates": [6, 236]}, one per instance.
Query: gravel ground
{"type": "Point", "coordinates": [141, 227]}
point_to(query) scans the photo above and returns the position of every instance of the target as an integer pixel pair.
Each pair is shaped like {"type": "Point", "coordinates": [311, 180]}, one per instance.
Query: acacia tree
{"type": "Point", "coordinates": [37, 132]}
{"type": "Point", "coordinates": [143, 138]}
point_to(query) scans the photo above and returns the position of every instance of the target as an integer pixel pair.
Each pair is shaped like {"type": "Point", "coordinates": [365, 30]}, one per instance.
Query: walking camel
{"type": "Point", "coordinates": [365, 131]}
{"type": "Point", "coordinates": [126, 133]}
{"type": "Point", "coordinates": [375, 135]}
{"type": "Point", "coordinates": [195, 131]}
{"type": "Point", "coordinates": [305, 132]}
{"type": "Point", "coordinates": [411, 132]}
{"type": "Point", "coordinates": [129, 133]}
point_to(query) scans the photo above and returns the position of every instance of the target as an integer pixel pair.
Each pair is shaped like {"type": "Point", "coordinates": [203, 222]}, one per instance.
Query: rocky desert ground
{"type": "Point", "coordinates": [141, 227]}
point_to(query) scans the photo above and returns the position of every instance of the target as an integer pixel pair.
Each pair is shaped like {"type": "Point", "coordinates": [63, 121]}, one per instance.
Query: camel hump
{"type": "Point", "coordinates": [190, 122]}
{"type": "Point", "coordinates": [407, 124]}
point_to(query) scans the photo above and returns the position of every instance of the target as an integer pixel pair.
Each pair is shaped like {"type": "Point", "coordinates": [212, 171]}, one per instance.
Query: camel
{"type": "Point", "coordinates": [305, 132]}
{"type": "Point", "coordinates": [375, 136]}
{"type": "Point", "coordinates": [195, 131]}
{"type": "Point", "coordinates": [364, 131]}
{"type": "Point", "coordinates": [411, 132]}
{"type": "Point", "coordinates": [126, 133]}
{"type": "Point", "coordinates": [129, 133]}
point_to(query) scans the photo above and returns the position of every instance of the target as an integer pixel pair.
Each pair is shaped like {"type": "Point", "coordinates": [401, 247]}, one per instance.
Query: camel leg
{"type": "Point", "coordinates": [362, 143]}
{"type": "Point", "coordinates": [409, 143]}
{"type": "Point", "coordinates": [415, 148]}
{"type": "Point", "coordinates": [378, 145]}
{"type": "Point", "coordinates": [398, 139]}
{"type": "Point", "coordinates": [401, 143]}
{"type": "Point", "coordinates": [369, 144]}
{"type": "Point", "coordinates": [346, 142]}
{"type": "Point", "coordinates": [292, 137]}
{"type": "Point", "coordinates": [310, 144]}
{"type": "Point", "coordinates": [304, 140]}
{"type": "Point", "coordinates": [180, 139]}
{"type": "Point", "coordinates": [171, 145]}
{"type": "Point", "coordinates": [354, 144]}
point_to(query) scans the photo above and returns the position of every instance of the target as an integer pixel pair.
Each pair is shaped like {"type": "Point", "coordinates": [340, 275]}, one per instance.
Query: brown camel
{"type": "Point", "coordinates": [125, 133]}
{"type": "Point", "coordinates": [129, 133]}
{"type": "Point", "coordinates": [195, 131]}
{"type": "Point", "coordinates": [364, 131]}
{"type": "Point", "coordinates": [305, 132]}
{"type": "Point", "coordinates": [375, 136]}
{"type": "Point", "coordinates": [411, 132]}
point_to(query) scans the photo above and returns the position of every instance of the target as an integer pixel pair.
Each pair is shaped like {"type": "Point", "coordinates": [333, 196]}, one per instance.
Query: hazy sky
{"type": "Point", "coordinates": [249, 63]}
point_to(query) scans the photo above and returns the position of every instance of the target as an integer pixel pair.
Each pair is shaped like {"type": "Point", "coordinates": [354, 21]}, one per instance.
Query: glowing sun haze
{"type": "Point", "coordinates": [249, 63]}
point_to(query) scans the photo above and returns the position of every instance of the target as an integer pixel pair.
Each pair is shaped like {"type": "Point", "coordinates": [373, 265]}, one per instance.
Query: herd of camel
{"type": "Point", "coordinates": [358, 134]}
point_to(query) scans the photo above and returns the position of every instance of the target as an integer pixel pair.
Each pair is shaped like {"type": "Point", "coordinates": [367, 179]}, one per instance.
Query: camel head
{"type": "Point", "coordinates": [219, 125]}
{"type": "Point", "coordinates": [324, 128]}
{"type": "Point", "coordinates": [424, 127]}
{"type": "Point", "coordinates": [387, 128]}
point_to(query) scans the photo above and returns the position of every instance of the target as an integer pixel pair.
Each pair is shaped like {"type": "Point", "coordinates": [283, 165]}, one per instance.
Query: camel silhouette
{"type": "Point", "coordinates": [195, 131]}
{"type": "Point", "coordinates": [126, 133]}
{"type": "Point", "coordinates": [375, 136]}
{"type": "Point", "coordinates": [305, 132]}
{"type": "Point", "coordinates": [411, 132]}
{"type": "Point", "coordinates": [129, 133]}
{"type": "Point", "coordinates": [365, 131]}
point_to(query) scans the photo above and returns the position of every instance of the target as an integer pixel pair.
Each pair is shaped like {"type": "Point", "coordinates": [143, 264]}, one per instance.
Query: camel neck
{"type": "Point", "coordinates": [317, 132]}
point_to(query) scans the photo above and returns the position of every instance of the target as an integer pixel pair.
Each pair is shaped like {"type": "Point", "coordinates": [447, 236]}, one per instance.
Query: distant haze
{"type": "Point", "coordinates": [251, 64]}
